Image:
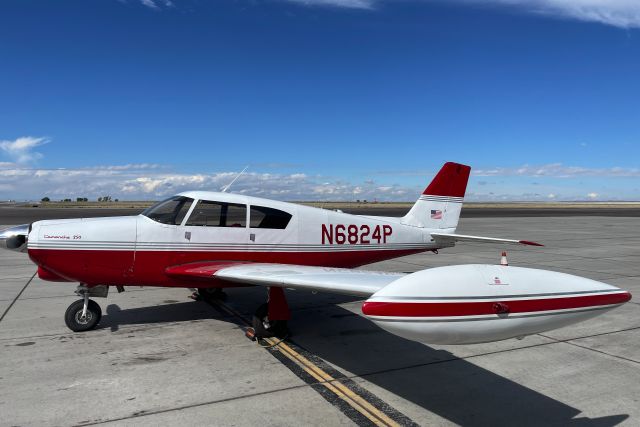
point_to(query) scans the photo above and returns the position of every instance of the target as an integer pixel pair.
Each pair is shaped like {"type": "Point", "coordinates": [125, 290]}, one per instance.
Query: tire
{"type": "Point", "coordinates": [74, 312]}
{"type": "Point", "coordinates": [277, 328]}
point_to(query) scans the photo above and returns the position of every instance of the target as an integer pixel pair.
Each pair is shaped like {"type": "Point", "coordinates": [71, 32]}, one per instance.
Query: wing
{"type": "Point", "coordinates": [336, 280]}
{"type": "Point", "coordinates": [448, 239]}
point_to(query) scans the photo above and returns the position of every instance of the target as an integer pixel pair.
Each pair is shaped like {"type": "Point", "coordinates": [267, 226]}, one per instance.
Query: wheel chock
{"type": "Point", "coordinates": [251, 334]}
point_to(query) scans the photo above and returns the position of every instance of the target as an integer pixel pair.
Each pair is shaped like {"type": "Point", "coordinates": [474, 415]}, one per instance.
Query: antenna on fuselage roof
{"type": "Point", "coordinates": [224, 190]}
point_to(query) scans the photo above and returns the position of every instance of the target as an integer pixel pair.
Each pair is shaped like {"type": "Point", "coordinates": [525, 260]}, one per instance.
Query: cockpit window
{"type": "Point", "coordinates": [171, 211]}
{"type": "Point", "coordinates": [218, 214]}
{"type": "Point", "coordinates": [263, 217]}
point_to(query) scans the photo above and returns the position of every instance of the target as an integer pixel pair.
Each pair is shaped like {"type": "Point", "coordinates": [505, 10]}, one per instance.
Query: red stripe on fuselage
{"type": "Point", "coordinates": [147, 268]}
{"type": "Point", "coordinates": [443, 309]}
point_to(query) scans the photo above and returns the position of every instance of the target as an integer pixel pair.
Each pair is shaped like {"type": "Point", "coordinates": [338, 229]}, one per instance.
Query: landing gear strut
{"type": "Point", "coordinates": [84, 314]}
{"type": "Point", "coordinates": [270, 319]}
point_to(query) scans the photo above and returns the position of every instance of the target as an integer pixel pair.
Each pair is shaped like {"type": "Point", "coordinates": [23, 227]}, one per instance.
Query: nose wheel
{"type": "Point", "coordinates": [84, 314]}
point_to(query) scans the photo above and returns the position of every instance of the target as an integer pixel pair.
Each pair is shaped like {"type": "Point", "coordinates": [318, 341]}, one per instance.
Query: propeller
{"type": "Point", "coordinates": [15, 238]}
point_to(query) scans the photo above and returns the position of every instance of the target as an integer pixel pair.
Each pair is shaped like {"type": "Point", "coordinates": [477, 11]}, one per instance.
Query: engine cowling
{"type": "Point", "coordinates": [467, 304]}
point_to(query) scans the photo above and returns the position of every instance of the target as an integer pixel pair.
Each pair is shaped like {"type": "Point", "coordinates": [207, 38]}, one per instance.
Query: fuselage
{"type": "Point", "coordinates": [136, 250]}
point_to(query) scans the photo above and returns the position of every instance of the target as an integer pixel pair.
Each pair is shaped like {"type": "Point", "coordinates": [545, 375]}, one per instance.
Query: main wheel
{"type": "Point", "coordinates": [76, 322]}
{"type": "Point", "coordinates": [265, 328]}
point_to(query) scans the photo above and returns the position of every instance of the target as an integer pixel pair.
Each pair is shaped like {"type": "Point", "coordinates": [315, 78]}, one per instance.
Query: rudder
{"type": "Point", "coordinates": [440, 204]}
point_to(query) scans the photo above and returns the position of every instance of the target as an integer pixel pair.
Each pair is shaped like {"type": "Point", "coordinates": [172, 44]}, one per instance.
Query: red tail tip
{"type": "Point", "coordinates": [526, 242]}
{"type": "Point", "coordinates": [451, 181]}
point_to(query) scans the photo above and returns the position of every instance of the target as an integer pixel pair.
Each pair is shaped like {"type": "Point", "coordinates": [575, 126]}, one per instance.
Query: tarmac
{"type": "Point", "coordinates": [160, 358]}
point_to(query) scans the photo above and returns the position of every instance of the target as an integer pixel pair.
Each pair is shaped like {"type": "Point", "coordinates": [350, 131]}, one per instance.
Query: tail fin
{"type": "Point", "coordinates": [441, 202]}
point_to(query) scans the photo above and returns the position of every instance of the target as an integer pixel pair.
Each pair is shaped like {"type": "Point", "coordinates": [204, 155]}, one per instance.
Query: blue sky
{"type": "Point", "coordinates": [324, 99]}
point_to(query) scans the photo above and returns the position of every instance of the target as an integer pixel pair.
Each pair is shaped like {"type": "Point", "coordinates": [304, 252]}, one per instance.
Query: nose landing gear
{"type": "Point", "coordinates": [84, 314]}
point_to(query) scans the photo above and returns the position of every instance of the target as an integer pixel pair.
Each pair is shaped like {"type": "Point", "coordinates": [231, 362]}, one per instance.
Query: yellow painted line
{"type": "Point", "coordinates": [354, 400]}
{"type": "Point", "coordinates": [331, 387]}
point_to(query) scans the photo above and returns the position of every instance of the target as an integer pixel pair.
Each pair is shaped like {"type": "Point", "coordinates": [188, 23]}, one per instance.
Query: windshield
{"type": "Point", "coordinates": [171, 211]}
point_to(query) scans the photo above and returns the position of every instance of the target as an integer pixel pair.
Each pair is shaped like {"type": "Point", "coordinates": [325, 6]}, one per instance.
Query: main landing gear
{"type": "Point", "coordinates": [270, 319]}
{"type": "Point", "coordinates": [85, 314]}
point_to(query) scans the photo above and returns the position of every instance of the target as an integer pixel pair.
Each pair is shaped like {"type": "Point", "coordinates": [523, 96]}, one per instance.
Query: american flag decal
{"type": "Point", "coordinates": [436, 214]}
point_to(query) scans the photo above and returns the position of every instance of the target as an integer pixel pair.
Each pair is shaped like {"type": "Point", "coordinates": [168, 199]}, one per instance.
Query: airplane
{"type": "Point", "coordinates": [216, 240]}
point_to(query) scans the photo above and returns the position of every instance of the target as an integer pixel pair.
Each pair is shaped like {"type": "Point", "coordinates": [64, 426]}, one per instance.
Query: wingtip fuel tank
{"type": "Point", "coordinates": [467, 304]}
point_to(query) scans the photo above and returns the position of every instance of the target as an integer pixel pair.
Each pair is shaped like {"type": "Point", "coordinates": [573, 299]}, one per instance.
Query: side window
{"type": "Point", "coordinates": [170, 211]}
{"type": "Point", "coordinates": [217, 214]}
{"type": "Point", "coordinates": [206, 213]}
{"type": "Point", "coordinates": [183, 212]}
{"type": "Point", "coordinates": [263, 217]}
{"type": "Point", "coordinates": [236, 215]}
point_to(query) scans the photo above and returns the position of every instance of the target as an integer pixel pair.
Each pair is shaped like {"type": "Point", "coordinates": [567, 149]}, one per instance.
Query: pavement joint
{"type": "Point", "coordinates": [194, 405]}
{"type": "Point", "coordinates": [17, 297]}
{"type": "Point", "coordinates": [602, 352]}
{"type": "Point", "coordinates": [489, 353]}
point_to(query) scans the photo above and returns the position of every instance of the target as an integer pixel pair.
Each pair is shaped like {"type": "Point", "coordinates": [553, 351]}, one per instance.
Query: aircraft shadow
{"type": "Point", "coordinates": [436, 380]}
{"type": "Point", "coordinates": [187, 311]}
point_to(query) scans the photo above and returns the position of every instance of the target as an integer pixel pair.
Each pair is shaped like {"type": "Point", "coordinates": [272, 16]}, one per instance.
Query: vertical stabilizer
{"type": "Point", "coordinates": [441, 202]}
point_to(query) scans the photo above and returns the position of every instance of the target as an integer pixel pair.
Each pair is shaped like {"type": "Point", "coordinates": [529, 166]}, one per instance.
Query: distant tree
{"type": "Point", "coordinates": [86, 199]}
{"type": "Point", "coordinates": [46, 199]}
{"type": "Point", "coordinates": [67, 200]}
{"type": "Point", "coordinates": [79, 199]}
{"type": "Point", "coordinates": [99, 199]}
{"type": "Point", "coordinates": [116, 200]}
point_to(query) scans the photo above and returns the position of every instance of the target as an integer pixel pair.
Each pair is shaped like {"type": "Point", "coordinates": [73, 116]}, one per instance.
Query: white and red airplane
{"type": "Point", "coordinates": [209, 241]}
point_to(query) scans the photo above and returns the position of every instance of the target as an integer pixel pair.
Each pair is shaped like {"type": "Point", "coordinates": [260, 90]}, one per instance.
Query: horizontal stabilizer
{"type": "Point", "coordinates": [452, 238]}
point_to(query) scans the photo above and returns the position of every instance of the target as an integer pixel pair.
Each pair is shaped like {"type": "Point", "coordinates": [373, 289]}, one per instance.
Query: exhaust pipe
{"type": "Point", "coordinates": [15, 238]}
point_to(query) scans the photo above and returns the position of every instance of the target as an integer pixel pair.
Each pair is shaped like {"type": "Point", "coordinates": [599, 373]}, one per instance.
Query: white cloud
{"type": "Point", "coordinates": [619, 13]}
{"type": "Point", "coordinates": [352, 4]}
{"type": "Point", "coordinates": [151, 4]}
{"type": "Point", "coordinates": [156, 4]}
{"type": "Point", "coordinates": [130, 166]}
{"type": "Point", "coordinates": [558, 170]}
{"type": "Point", "coordinates": [21, 150]}
{"type": "Point", "coordinates": [150, 181]}
{"type": "Point", "coordinates": [146, 181]}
